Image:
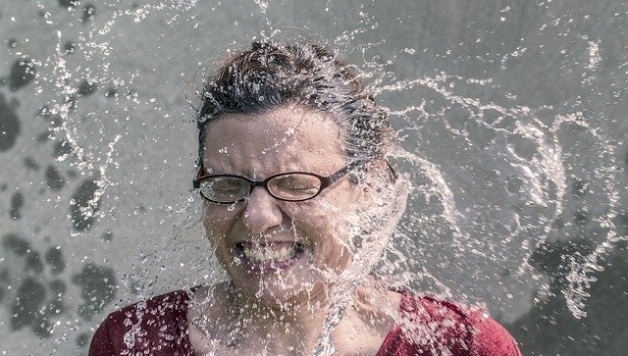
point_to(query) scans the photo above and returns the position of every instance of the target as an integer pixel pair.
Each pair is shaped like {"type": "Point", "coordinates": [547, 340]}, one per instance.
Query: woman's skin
{"type": "Point", "coordinates": [277, 299]}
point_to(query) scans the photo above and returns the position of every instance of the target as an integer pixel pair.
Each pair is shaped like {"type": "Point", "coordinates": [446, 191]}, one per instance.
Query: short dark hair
{"type": "Point", "coordinates": [270, 75]}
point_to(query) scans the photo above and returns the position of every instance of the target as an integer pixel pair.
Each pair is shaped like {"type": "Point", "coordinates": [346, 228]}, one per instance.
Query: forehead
{"type": "Point", "coordinates": [284, 138]}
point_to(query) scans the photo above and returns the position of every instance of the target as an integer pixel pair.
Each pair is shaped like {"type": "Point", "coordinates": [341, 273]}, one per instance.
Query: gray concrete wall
{"type": "Point", "coordinates": [512, 114]}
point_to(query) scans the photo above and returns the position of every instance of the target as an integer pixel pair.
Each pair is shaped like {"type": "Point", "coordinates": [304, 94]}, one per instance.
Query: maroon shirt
{"type": "Point", "coordinates": [158, 327]}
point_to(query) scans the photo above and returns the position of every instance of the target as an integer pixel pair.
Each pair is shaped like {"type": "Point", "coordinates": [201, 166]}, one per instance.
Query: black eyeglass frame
{"type": "Point", "coordinates": [325, 181]}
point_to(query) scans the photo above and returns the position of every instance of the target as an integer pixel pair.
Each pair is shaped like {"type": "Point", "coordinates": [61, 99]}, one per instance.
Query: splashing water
{"type": "Point", "coordinates": [513, 143]}
{"type": "Point", "coordinates": [543, 176]}
{"type": "Point", "coordinates": [263, 5]}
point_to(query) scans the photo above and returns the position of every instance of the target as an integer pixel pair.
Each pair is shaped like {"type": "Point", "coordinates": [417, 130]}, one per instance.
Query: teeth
{"type": "Point", "coordinates": [268, 254]}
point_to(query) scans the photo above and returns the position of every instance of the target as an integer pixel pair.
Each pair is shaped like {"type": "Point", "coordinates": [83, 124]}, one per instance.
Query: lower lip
{"type": "Point", "coordinates": [269, 267]}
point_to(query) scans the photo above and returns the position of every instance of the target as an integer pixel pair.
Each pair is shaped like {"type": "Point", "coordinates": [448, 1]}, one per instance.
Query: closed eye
{"type": "Point", "coordinates": [296, 183]}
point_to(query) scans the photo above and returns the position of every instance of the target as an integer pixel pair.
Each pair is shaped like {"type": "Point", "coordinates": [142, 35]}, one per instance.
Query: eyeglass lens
{"type": "Point", "coordinates": [292, 187]}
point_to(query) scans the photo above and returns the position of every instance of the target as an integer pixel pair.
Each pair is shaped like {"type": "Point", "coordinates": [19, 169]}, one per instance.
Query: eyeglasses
{"type": "Point", "coordinates": [290, 186]}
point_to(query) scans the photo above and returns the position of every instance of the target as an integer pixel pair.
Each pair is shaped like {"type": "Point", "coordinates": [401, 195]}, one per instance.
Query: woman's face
{"type": "Point", "coordinates": [281, 253]}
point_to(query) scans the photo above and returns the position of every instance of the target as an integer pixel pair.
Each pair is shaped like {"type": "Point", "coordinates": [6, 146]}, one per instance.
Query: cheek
{"type": "Point", "coordinates": [217, 223]}
{"type": "Point", "coordinates": [326, 226]}
{"type": "Point", "coordinates": [339, 214]}
{"type": "Point", "coordinates": [314, 217]}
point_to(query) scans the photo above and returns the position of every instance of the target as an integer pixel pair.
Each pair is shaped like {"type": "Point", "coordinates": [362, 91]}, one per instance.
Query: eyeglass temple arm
{"type": "Point", "coordinates": [393, 173]}
{"type": "Point", "coordinates": [353, 165]}
{"type": "Point", "coordinates": [199, 175]}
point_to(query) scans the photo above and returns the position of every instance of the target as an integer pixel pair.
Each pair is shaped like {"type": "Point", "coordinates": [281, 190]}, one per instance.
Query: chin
{"type": "Point", "coordinates": [282, 291]}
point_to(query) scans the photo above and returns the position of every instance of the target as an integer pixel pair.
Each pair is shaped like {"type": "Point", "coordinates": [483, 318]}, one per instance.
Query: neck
{"type": "Point", "coordinates": [241, 323]}
{"type": "Point", "coordinates": [297, 327]}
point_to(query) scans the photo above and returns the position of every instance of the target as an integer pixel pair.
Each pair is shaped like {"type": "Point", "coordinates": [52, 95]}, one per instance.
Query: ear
{"type": "Point", "coordinates": [385, 195]}
{"type": "Point", "coordinates": [379, 173]}
{"type": "Point", "coordinates": [371, 181]}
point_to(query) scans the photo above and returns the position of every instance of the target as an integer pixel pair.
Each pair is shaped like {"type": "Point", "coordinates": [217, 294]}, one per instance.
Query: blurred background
{"type": "Point", "coordinates": [511, 114]}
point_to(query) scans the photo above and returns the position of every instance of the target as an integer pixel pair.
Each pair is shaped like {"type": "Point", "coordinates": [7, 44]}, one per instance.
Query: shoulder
{"type": "Point", "coordinates": [155, 312]}
{"type": "Point", "coordinates": [154, 307]}
{"type": "Point", "coordinates": [433, 324]}
{"type": "Point", "coordinates": [155, 323]}
{"type": "Point", "coordinates": [490, 337]}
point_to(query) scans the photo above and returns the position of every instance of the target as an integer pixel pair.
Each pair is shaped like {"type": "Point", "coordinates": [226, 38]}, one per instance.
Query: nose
{"type": "Point", "coordinates": [261, 212]}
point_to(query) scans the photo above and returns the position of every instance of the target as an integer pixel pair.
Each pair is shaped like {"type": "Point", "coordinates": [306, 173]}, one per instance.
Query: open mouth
{"type": "Point", "coordinates": [269, 256]}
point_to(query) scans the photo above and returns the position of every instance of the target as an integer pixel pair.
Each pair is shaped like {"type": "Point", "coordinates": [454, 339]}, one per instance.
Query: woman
{"type": "Point", "coordinates": [299, 205]}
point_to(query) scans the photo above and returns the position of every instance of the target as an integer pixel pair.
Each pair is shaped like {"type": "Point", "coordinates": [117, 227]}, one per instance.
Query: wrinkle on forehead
{"type": "Point", "coordinates": [288, 138]}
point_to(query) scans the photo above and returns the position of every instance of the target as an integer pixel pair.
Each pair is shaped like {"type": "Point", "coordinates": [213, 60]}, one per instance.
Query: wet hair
{"type": "Point", "coordinates": [270, 75]}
